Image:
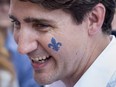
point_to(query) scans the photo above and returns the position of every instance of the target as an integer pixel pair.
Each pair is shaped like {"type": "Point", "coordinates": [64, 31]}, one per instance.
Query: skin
{"type": "Point", "coordinates": [79, 42]}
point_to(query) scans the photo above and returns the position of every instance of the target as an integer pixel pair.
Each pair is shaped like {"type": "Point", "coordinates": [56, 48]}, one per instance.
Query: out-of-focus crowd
{"type": "Point", "coordinates": [15, 69]}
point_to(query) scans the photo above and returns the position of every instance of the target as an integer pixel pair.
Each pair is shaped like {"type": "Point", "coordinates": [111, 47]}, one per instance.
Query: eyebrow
{"type": "Point", "coordinates": [14, 18]}
{"type": "Point", "coordinates": [37, 20]}
{"type": "Point", "coordinates": [33, 20]}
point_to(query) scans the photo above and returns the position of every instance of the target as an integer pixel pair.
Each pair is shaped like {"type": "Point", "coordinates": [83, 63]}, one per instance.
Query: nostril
{"type": "Point", "coordinates": [27, 47]}
{"type": "Point", "coordinates": [21, 50]}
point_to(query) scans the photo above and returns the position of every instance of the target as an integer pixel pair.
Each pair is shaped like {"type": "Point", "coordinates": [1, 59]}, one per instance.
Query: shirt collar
{"type": "Point", "coordinates": [101, 70]}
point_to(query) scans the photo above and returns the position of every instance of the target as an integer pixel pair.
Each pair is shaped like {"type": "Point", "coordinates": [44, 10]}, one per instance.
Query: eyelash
{"type": "Point", "coordinates": [40, 26]}
{"type": "Point", "coordinates": [16, 24]}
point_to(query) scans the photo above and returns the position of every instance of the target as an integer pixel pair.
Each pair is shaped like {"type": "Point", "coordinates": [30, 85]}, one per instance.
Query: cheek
{"type": "Point", "coordinates": [54, 44]}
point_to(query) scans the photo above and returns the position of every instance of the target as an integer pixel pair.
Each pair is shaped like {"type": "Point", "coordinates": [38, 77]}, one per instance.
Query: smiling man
{"type": "Point", "coordinates": [66, 40]}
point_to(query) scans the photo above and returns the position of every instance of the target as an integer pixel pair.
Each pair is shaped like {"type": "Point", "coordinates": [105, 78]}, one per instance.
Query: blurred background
{"type": "Point", "coordinates": [15, 69]}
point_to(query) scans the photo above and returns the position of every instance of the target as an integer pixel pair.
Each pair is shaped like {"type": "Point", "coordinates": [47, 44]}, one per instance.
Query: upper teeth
{"type": "Point", "coordinates": [39, 58]}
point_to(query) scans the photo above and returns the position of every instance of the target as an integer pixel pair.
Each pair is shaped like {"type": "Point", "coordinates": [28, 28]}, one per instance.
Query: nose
{"type": "Point", "coordinates": [26, 41]}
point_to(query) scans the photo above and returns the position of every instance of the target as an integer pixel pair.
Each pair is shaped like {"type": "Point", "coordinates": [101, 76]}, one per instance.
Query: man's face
{"type": "Point", "coordinates": [51, 39]}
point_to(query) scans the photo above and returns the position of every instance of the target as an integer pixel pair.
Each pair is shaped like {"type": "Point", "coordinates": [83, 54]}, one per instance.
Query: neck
{"type": "Point", "coordinates": [94, 49]}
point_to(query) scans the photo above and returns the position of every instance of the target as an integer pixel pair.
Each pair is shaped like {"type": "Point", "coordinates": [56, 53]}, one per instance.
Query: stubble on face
{"type": "Point", "coordinates": [59, 43]}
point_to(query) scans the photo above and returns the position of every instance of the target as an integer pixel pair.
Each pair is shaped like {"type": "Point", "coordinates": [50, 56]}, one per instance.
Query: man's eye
{"type": "Point", "coordinates": [42, 27]}
{"type": "Point", "coordinates": [16, 24]}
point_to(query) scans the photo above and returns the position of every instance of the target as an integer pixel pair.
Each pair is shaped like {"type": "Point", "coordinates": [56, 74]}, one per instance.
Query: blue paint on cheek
{"type": "Point", "coordinates": [54, 45]}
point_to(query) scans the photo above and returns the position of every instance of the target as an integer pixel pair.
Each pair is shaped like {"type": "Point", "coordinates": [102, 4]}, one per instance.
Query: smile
{"type": "Point", "coordinates": [40, 59]}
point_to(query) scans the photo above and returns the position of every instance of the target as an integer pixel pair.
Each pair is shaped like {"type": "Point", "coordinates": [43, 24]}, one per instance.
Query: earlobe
{"type": "Point", "coordinates": [96, 19]}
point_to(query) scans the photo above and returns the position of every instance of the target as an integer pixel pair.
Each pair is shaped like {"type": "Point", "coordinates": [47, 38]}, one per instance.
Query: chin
{"type": "Point", "coordinates": [44, 79]}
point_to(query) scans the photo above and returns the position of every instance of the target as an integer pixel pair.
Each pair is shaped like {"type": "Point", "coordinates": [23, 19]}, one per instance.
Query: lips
{"type": "Point", "coordinates": [39, 62]}
{"type": "Point", "coordinates": [40, 59]}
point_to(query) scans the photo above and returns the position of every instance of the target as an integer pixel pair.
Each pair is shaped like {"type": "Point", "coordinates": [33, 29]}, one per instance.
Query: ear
{"type": "Point", "coordinates": [96, 19]}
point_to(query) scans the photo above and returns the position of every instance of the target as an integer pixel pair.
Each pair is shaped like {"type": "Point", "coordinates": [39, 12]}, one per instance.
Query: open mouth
{"type": "Point", "coordinates": [40, 59]}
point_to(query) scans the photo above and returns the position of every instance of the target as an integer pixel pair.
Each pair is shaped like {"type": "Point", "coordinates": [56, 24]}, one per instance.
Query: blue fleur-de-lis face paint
{"type": "Point", "coordinates": [54, 45]}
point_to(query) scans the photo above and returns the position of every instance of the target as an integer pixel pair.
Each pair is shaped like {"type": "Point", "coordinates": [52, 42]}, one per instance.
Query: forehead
{"type": "Point", "coordinates": [17, 4]}
{"type": "Point", "coordinates": [19, 8]}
